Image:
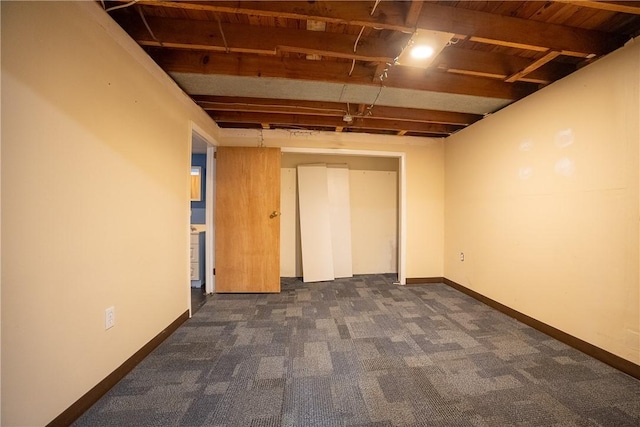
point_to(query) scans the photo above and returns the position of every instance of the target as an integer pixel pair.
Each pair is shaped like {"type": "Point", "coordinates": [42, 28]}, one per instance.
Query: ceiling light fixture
{"type": "Point", "coordinates": [423, 48]}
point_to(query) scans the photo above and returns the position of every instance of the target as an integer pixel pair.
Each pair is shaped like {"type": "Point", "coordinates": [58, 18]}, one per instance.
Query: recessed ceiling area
{"type": "Point", "coordinates": [314, 64]}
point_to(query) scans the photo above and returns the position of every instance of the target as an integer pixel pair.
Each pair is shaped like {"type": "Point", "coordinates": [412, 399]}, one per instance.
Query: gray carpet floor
{"type": "Point", "coordinates": [364, 352]}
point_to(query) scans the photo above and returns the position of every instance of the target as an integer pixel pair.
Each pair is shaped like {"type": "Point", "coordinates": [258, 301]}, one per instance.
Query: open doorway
{"type": "Point", "coordinates": [201, 230]}
{"type": "Point", "coordinates": [378, 219]}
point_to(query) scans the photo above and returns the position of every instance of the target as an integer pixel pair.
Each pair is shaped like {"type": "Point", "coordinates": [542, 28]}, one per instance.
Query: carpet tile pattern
{"type": "Point", "coordinates": [364, 352]}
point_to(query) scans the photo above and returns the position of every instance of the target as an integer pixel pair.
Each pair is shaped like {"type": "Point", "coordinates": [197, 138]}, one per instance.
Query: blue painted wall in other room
{"type": "Point", "coordinates": [198, 208]}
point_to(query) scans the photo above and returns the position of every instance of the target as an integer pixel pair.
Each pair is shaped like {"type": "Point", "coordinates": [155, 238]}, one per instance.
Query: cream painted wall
{"type": "Point", "coordinates": [95, 203]}
{"type": "Point", "coordinates": [425, 183]}
{"type": "Point", "coordinates": [543, 199]}
{"type": "Point", "coordinates": [374, 205]}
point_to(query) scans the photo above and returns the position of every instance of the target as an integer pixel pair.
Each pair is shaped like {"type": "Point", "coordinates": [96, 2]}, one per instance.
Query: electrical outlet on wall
{"type": "Point", "coordinates": [461, 256]}
{"type": "Point", "coordinates": [109, 318]}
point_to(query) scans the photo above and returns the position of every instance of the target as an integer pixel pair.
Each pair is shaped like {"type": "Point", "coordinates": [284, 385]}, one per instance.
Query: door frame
{"type": "Point", "coordinates": [210, 182]}
{"type": "Point", "coordinates": [402, 192]}
{"type": "Point", "coordinates": [210, 229]}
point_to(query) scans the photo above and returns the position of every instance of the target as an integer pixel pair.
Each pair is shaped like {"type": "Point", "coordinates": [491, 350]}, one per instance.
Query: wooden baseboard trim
{"type": "Point", "coordinates": [610, 359]}
{"type": "Point", "coordinates": [416, 281]}
{"type": "Point", "coordinates": [92, 396]}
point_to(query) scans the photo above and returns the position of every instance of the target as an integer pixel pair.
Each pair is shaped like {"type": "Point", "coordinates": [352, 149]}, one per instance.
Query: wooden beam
{"type": "Point", "coordinates": [238, 38]}
{"type": "Point", "coordinates": [259, 66]}
{"type": "Point", "coordinates": [399, 77]}
{"type": "Point", "coordinates": [335, 109]}
{"type": "Point", "coordinates": [549, 56]}
{"type": "Point", "coordinates": [265, 105]}
{"type": "Point", "coordinates": [426, 116]}
{"type": "Point", "coordinates": [499, 29]}
{"type": "Point", "coordinates": [413, 13]}
{"type": "Point", "coordinates": [358, 122]}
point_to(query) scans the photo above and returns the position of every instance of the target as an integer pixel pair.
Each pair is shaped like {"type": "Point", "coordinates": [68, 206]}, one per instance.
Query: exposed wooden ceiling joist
{"type": "Point", "coordinates": [261, 54]}
{"type": "Point", "coordinates": [306, 120]}
{"type": "Point", "coordinates": [239, 38]}
{"type": "Point", "coordinates": [413, 13]}
{"type": "Point", "coordinates": [337, 72]}
{"type": "Point", "coordinates": [336, 109]}
{"type": "Point", "coordinates": [390, 15]}
{"type": "Point", "coordinates": [515, 32]}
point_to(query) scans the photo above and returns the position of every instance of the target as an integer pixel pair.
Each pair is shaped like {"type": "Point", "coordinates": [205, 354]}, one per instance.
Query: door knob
{"type": "Point", "coordinates": [274, 214]}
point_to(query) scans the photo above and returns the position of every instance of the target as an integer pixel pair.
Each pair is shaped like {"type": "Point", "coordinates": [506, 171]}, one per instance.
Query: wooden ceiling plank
{"type": "Point", "coordinates": [390, 15]}
{"type": "Point", "coordinates": [496, 65]}
{"type": "Point", "coordinates": [631, 7]}
{"type": "Point", "coordinates": [517, 31]}
{"type": "Point", "coordinates": [337, 72]}
{"type": "Point", "coordinates": [479, 74]}
{"type": "Point", "coordinates": [204, 35]}
{"type": "Point", "coordinates": [506, 43]}
{"type": "Point", "coordinates": [438, 81]}
{"type": "Point", "coordinates": [533, 66]}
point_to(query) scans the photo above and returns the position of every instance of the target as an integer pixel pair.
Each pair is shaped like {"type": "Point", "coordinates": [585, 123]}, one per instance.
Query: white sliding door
{"type": "Point", "coordinates": [315, 223]}
{"type": "Point", "coordinates": [340, 218]}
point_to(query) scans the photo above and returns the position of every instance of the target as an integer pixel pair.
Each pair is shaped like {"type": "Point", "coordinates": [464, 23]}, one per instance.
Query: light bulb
{"type": "Point", "coordinates": [421, 52]}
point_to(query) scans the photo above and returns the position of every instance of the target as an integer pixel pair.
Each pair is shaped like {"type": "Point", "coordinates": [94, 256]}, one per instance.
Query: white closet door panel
{"type": "Point", "coordinates": [289, 246]}
{"type": "Point", "coordinates": [315, 223]}
{"type": "Point", "coordinates": [340, 218]}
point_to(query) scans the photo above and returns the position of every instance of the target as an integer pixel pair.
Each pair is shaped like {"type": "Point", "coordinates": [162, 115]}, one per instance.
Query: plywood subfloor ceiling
{"type": "Point", "coordinates": [316, 64]}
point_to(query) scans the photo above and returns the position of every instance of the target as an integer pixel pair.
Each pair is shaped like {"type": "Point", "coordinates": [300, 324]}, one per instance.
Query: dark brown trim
{"type": "Point", "coordinates": [413, 281]}
{"type": "Point", "coordinates": [611, 359]}
{"type": "Point", "coordinates": [74, 411]}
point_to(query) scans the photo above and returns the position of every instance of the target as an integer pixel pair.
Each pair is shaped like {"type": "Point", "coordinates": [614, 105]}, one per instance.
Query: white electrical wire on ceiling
{"type": "Point", "coordinates": [144, 20]}
{"type": "Point", "coordinates": [374, 6]}
{"type": "Point", "coordinates": [224, 39]}
{"type": "Point", "coordinates": [122, 6]}
{"type": "Point", "coordinates": [355, 45]}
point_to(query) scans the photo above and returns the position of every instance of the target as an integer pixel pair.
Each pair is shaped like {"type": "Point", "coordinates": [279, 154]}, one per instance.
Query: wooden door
{"type": "Point", "coordinates": [247, 219]}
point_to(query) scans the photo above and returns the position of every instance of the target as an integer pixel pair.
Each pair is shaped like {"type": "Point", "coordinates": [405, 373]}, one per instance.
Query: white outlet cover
{"type": "Point", "coordinates": [109, 318]}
